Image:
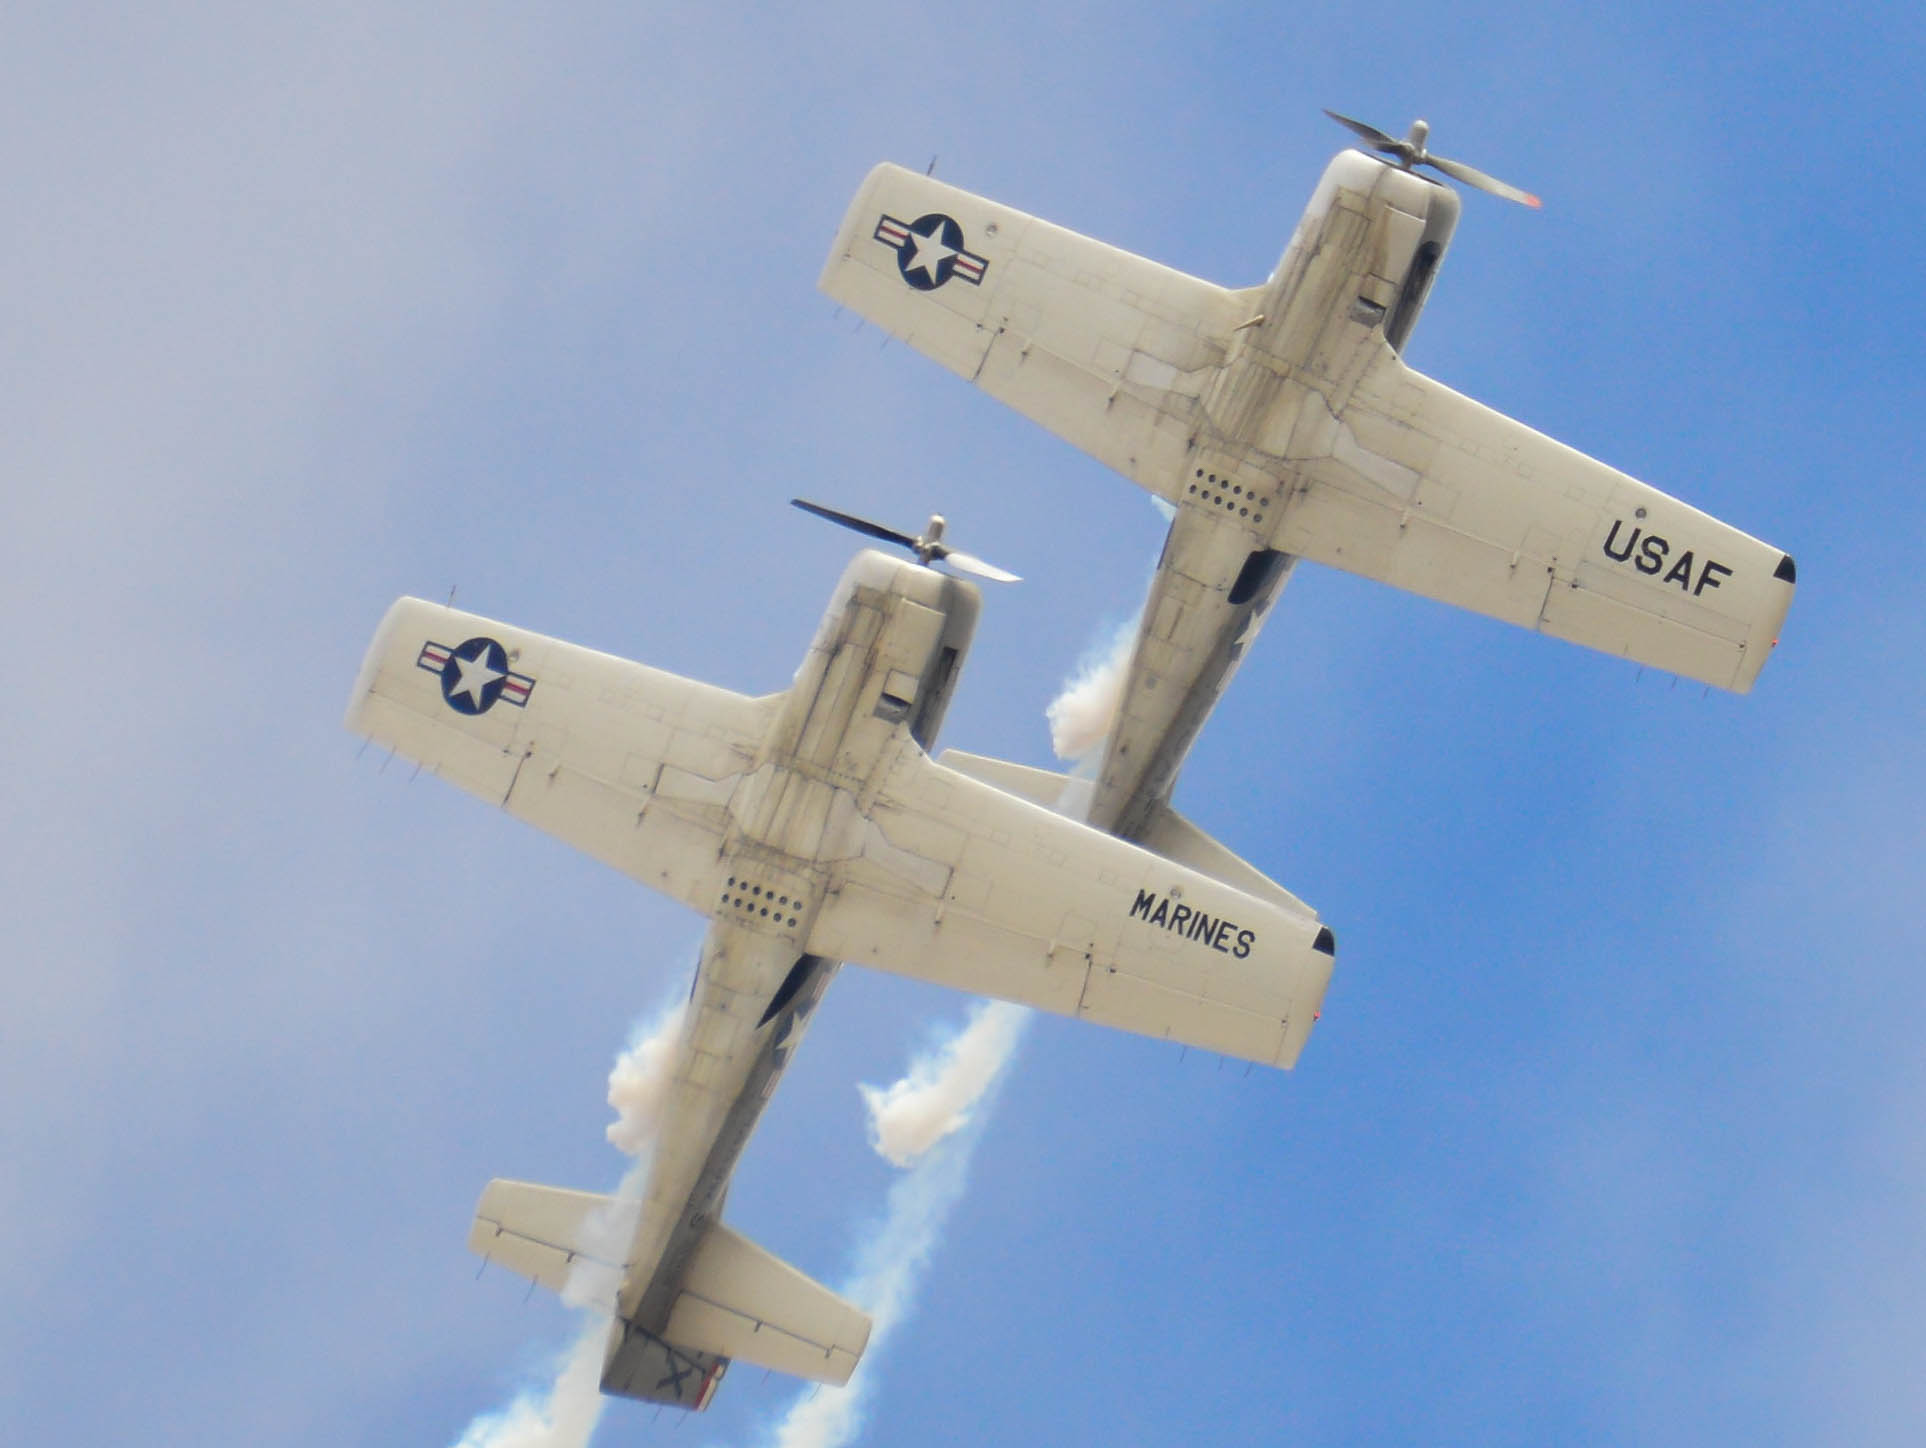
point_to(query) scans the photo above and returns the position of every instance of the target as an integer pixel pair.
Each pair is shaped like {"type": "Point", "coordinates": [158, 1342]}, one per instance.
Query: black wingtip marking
{"type": "Point", "coordinates": [1786, 572]}
{"type": "Point", "coordinates": [1325, 941]}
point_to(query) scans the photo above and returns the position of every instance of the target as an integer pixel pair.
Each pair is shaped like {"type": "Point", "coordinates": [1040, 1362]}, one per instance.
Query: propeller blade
{"type": "Point", "coordinates": [861, 525]}
{"type": "Point", "coordinates": [970, 563]}
{"type": "Point", "coordinates": [1369, 133]}
{"type": "Point", "coordinates": [1472, 176]}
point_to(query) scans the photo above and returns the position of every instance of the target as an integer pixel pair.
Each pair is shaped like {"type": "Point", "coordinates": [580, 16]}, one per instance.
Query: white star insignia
{"type": "Point", "coordinates": [476, 675]}
{"type": "Point", "coordinates": [931, 252]}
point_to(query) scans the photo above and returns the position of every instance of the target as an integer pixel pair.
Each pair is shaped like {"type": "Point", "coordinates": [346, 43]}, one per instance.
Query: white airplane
{"type": "Point", "coordinates": [812, 828]}
{"type": "Point", "coordinates": [1281, 423]}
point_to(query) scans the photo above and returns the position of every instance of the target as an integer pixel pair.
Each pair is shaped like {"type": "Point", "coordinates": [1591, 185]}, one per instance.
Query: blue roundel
{"type": "Point", "coordinates": [928, 254]}
{"type": "Point", "coordinates": [472, 679]}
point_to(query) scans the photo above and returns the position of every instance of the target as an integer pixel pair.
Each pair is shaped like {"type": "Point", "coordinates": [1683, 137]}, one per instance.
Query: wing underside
{"type": "Point", "coordinates": [959, 883]}
{"type": "Point", "coordinates": [1388, 473]}
{"type": "Point", "coordinates": [1108, 350]}
{"type": "Point", "coordinates": [1418, 486]}
{"type": "Point", "coordinates": [626, 763]}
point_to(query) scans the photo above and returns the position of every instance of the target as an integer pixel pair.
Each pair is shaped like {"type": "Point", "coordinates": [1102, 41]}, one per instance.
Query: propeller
{"type": "Point", "coordinates": [1411, 152]}
{"type": "Point", "coordinates": [928, 546]}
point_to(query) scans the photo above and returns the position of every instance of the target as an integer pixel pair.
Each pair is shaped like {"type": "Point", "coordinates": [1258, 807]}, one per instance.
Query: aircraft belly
{"type": "Point", "coordinates": [1189, 644]}
{"type": "Point", "coordinates": [756, 984]}
{"type": "Point", "coordinates": [715, 1095]}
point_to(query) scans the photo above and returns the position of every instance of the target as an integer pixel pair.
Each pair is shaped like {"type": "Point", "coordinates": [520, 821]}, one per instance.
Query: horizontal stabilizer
{"type": "Point", "coordinates": [1039, 786]}
{"type": "Point", "coordinates": [1166, 833]}
{"type": "Point", "coordinates": [574, 1242]}
{"type": "Point", "coordinates": [735, 1301]}
{"type": "Point", "coordinates": [1169, 834]}
{"type": "Point", "coordinates": [742, 1302]}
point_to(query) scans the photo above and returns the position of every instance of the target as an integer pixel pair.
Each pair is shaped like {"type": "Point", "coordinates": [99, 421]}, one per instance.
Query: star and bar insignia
{"type": "Point", "coordinates": [929, 251]}
{"type": "Point", "coordinates": [474, 675]}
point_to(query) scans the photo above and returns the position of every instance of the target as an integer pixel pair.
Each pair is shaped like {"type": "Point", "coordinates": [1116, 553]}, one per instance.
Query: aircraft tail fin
{"type": "Point", "coordinates": [1165, 833]}
{"type": "Point", "coordinates": [736, 1300]}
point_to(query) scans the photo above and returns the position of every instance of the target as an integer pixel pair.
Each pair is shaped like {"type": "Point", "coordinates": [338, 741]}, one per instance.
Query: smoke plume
{"type": "Point", "coordinates": [934, 1098]}
{"type": "Point", "coordinates": [563, 1414]}
{"type": "Point", "coordinates": [1081, 714]}
{"type": "Point", "coordinates": [927, 1122]}
{"type": "Point", "coordinates": [639, 1083]}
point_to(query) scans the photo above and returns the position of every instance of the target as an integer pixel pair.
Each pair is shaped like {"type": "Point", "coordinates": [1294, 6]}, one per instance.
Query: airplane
{"type": "Point", "coordinates": [812, 827]}
{"type": "Point", "coordinates": [1281, 422]}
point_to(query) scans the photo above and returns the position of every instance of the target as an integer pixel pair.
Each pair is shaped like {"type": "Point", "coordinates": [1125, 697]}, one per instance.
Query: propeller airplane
{"type": "Point", "coordinates": [812, 828]}
{"type": "Point", "coordinates": [1282, 423]}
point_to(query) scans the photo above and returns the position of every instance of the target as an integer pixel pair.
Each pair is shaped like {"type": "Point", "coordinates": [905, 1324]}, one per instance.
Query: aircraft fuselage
{"type": "Point", "coordinates": [888, 651]}
{"type": "Point", "coordinates": [1357, 272]}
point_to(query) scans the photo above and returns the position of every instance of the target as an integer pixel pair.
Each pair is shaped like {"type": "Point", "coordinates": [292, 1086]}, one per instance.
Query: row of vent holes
{"type": "Point", "coordinates": [741, 902]}
{"type": "Point", "coordinates": [1237, 492]}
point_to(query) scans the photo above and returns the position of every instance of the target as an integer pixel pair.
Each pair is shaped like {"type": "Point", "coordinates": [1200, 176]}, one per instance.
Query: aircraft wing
{"type": "Point", "coordinates": [953, 881]}
{"type": "Point", "coordinates": [629, 764]}
{"type": "Point", "coordinates": [1106, 349]}
{"type": "Point", "coordinates": [1423, 488]}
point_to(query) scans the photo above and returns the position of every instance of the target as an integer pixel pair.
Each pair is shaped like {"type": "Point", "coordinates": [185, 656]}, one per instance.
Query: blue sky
{"type": "Point", "coordinates": [1612, 1128]}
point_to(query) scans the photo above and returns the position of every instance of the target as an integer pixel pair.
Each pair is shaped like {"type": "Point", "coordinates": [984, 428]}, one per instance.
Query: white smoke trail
{"type": "Point", "coordinates": [944, 1097]}
{"type": "Point", "coordinates": [564, 1417]}
{"type": "Point", "coordinates": [564, 1413]}
{"type": "Point", "coordinates": [639, 1082]}
{"type": "Point", "coordinates": [929, 1122]}
{"type": "Point", "coordinates": [638, 1090]}
{"type": "Point", "coordinates": [934, 1098]}
{"type": "Point", "coordinates": [1080, 716]}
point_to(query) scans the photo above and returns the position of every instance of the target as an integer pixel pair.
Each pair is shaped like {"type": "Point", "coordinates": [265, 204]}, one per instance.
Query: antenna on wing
{"type": "Point", "coordinates": [1411, 152]}
{"type": "Point", "coordinates": [928, 546]}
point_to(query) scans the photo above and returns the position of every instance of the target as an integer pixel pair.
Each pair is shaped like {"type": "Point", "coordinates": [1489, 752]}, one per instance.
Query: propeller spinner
{"type": "Point", "coordinates": [1411, 152]}
{"type": "Point", "coordinates": [928, 546]}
